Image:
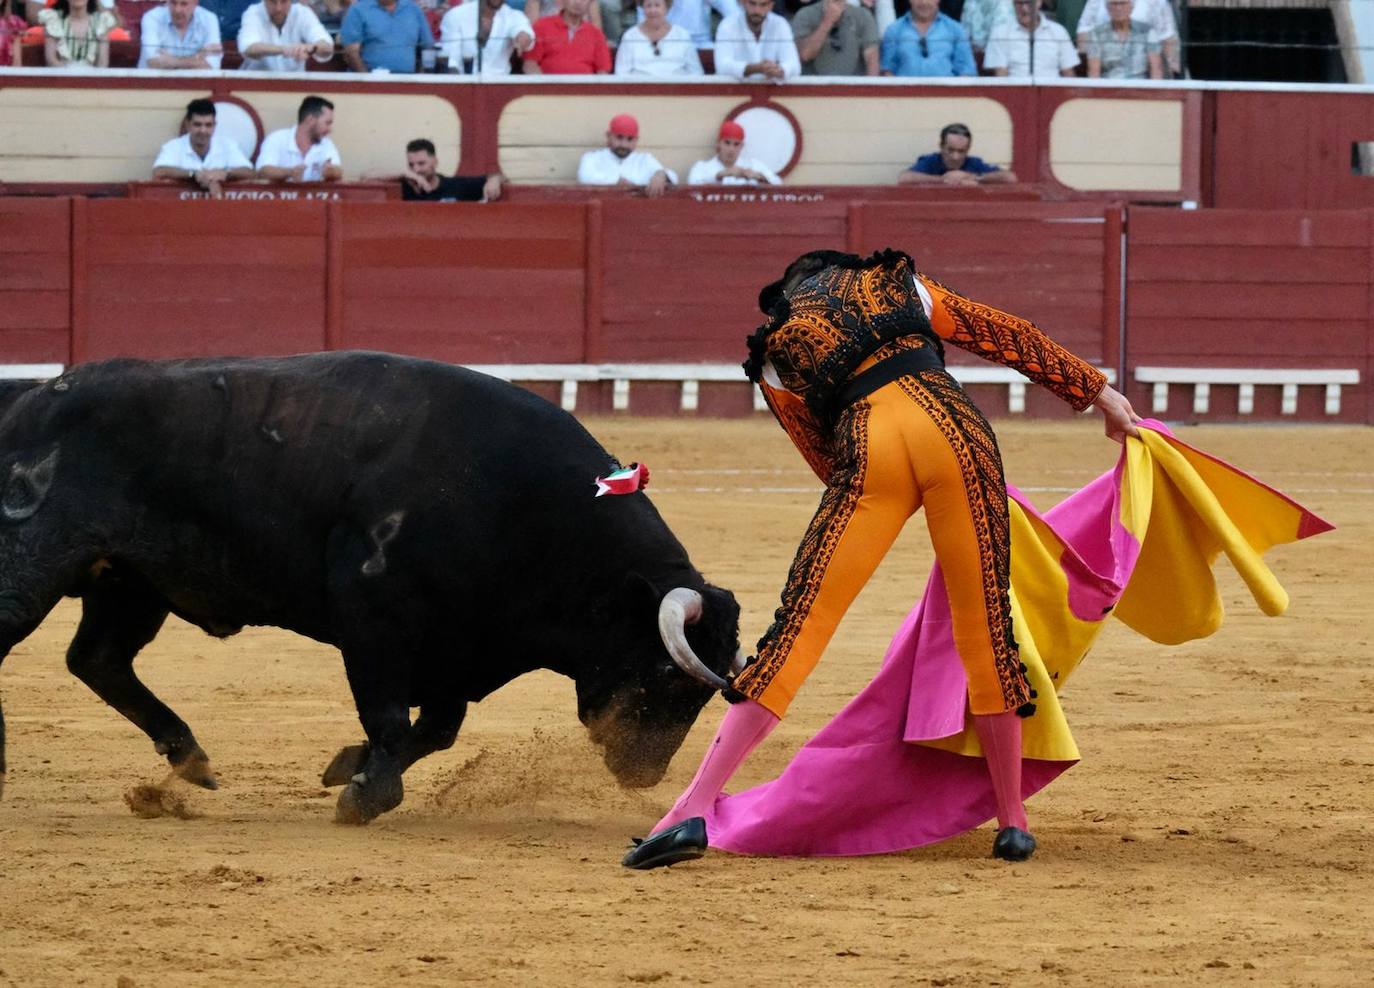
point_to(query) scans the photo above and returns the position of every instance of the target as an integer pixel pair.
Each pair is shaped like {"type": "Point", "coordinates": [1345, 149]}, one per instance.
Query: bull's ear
{"type": "Point", "coordinates": [27, 486]}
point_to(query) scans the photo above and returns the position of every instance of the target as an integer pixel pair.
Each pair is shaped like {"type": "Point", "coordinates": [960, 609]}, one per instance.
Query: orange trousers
{"type": "Point", "coordinates": [915, 442]}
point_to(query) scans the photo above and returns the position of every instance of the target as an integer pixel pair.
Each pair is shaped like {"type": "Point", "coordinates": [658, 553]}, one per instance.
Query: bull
{"type": "Point", "coordinates": [436, 525]}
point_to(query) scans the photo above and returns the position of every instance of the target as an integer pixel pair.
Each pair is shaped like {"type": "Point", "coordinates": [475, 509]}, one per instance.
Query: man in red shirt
{"type": "Point", "coordinates": [566, 43]}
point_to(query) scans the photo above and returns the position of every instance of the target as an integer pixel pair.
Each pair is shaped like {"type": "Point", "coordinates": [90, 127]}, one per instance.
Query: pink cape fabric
{"type": "Point", "coordinates": [861, 786]}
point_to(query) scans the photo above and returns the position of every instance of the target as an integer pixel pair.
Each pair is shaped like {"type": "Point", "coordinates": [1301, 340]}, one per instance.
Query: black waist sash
{"type": "Point", "coordinates": [898, 365]}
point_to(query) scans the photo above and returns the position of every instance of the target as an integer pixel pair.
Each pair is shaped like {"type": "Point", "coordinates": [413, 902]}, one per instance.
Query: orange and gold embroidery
{"type": "Point", "coordinates": [1013, 342]}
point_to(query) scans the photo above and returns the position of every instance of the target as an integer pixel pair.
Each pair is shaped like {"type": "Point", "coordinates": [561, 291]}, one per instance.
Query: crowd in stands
{"type": "Point", "coordinates": [765, 40]}
{"type": "Point", "coordinates": [305, 153]}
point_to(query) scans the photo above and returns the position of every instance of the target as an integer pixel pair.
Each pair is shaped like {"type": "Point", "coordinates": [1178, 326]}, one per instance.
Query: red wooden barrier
{"type": "Point", "coordinates": [35, 280]}
{"type": "Point", "coordinates": [180, 279]}
{"type": "Point", "coordinates": [1256, 289]}
{"type": "Point", "coordinates": [496, 284]}
{"type": "Point", "coordinates": [628, 280]}
{"type": "Point", "coordinates": [681, 278]}
{"type": "Point", "coordinates": [1277, 150]}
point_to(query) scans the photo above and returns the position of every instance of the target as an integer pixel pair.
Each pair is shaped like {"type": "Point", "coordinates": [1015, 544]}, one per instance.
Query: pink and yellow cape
{"type": "Point", "coordinates": [900, 766]}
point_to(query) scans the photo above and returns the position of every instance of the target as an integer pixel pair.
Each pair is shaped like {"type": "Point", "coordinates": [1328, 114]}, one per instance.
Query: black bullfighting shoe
{"type": "Point", "coordinates": [1013, 844]}
{"type": "Point", "coordinates": [682, 842]}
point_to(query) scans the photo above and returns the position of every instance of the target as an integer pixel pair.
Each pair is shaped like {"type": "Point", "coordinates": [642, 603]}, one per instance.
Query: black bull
{"type": "Point", "coordinates": [436, 525]}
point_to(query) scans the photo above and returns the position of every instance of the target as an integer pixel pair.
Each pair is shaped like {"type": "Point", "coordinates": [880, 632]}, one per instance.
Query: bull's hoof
{"type": "Point", "coordinates": [365, 799]}
{"type": "Point", "coordinates": [346, 764]}
{"type": "Point", "coordinates": [195, 769]}
{"type": "Point", "coordinates": [681, 842]}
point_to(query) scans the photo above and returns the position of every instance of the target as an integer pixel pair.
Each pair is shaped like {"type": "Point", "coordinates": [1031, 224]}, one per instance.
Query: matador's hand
{"type": "Point", "coordinates": [1119, 415]}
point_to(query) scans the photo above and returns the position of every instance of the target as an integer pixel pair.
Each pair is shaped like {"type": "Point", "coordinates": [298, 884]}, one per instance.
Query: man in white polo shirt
{"type": "Point", "coordinates": [303, 153]}
{"type": "Point", "coordinates": [619, 163]}
{"type": "Point", "coordinates": [179, 35]}
{"type": "Point", "coordinates": [278, 35]}
{"type": "Point", "coordinates": [201, 156]}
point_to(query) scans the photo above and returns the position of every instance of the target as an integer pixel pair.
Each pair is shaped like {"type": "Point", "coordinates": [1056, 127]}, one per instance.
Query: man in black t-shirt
{"type": "Point", "coordinates": [421, 181]}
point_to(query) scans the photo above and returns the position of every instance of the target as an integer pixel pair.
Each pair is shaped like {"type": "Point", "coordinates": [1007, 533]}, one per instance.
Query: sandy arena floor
{"type": "Point", "coordinates": [1217, 832]}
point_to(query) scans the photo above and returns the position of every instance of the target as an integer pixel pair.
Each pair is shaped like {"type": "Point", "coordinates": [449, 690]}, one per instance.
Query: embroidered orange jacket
{"type": "Point", "coordinates": [980, 329]}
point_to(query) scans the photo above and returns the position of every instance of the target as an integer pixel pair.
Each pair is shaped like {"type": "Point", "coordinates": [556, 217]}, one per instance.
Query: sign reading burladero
{"type": "Point", "coordinates": [759, 196]}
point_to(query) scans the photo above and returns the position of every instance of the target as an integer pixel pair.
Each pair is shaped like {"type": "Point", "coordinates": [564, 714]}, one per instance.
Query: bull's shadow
{"type": "Point", "coordinates": [438, 526]}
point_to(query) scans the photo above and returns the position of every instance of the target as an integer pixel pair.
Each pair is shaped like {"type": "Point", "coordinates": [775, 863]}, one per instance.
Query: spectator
{"type": "Point", "coordinates": [756, 44]}
{"type": "Point", "coordinates": [657, 47]}
{"type": "Point", "coordinates": [230, 14]}
{"type": "Point", "coordinates": [331, 13]}
{"type": "Point", "coordinates": [384, 34]}
{"type": "Point", "coordinates": [1157, 15]}
{"type": "Point", "coordinates": [1122, 48]}
{"type": "Point", "coordinates": [12, 28]}
{"type": "Point", "coordinates": [536, 9]}
{"type": "Point", "coordinates": [617, 17]}
{"type": "Point", "coordinates": [421, 181]}
{"type": "Point", "coordinates": [926, 43]}
{"type": "Point", "coordinates": [728, 167]}
{"type": "Point", "coordinates": [1012, 45]}
{"type": "Point", "coordinates": [620, 164]}
{"type": "Point", "coordinates": [566, 43]}
{"type": "Point", "coordinates": [835, 37]}
{"type": "Point", "coordinates": [979, 17]}
{"type": "Point", "coordinates": [278, 35]}
{"type": "Point", "coordinates": [953, 165]}
{"type": "Point", "coordinates": [695, 17]}
{"type": "Point", "coordinates": [303, 153]}
{"type": "Point", "coordinates": [76, 36]}
{"type": "Point", "coordinates": [479, 37]}
{"type": "Point", "coordinates": [179, 35]}
{"type": "Point", "coordinates": [201, 156]}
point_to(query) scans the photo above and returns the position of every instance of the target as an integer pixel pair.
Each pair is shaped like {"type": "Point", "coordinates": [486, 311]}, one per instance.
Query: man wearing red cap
{"type": "Point", "coordinates": [566, 43]}
{"type": "Point", "coordinates": [729, 166]}
{"type": "Point", "coordinates": [619, 163]}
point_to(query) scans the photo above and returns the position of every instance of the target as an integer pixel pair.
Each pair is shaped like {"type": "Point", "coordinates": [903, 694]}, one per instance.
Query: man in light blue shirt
{"type": "Point", "coordinates": [694, 16]}
{"type": "Point", "coordinates": [927, 43]}
{"type": "Point", "coordinates": [179, 35]}
{"type": "Point", "coordinates": [384, 34]}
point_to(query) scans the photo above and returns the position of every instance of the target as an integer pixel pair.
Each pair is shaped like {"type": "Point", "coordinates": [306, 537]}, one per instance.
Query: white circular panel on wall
{"type": "Point", "coordinates": [237, 124]}
{"type": "Point", "coordinates": [769, 136]}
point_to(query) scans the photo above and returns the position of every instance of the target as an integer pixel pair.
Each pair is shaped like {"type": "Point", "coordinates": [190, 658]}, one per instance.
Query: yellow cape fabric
{"type": "Point", "coordinates": [1184, 508]}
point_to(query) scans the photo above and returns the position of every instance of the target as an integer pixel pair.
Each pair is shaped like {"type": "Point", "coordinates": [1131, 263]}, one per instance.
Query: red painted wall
{"type": "Point", "coordinates": [35, 280]}
{"type": "Point", "coordinates": [1277, 150]}
{"type": "Point", "coordinates": [1251, 288]}
{"type": "Point", "coordinates": [627, 280]}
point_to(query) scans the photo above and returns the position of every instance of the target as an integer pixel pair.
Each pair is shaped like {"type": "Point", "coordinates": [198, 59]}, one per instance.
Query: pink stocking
{"type": "Point", "coordinates": [1000, 735]}
{"type": "Point", "coordinates": [744, 726]}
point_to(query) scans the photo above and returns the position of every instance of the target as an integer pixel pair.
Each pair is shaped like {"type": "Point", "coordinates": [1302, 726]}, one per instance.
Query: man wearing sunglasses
{"type": "Point", "coordinates": [926, 43]}
{"type": "Point", "coordinates": [835, 37]}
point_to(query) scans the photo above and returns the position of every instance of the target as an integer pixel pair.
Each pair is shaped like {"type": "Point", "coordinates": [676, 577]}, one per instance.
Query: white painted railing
{"type": "Point", "coordinates": [690, 376]}
{"type": "Point", "coordinates": [1245, 380]}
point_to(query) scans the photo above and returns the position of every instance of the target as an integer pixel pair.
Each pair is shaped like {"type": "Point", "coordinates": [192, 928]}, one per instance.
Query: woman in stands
{"type": "Point", "coordinates": [12, 27]}
{"type": "Point", "coordinates": [655, 47]}
{"type": "Point", "coordinates": [851, 361]}
{"type": "Point", "coordinates": [76, 36]}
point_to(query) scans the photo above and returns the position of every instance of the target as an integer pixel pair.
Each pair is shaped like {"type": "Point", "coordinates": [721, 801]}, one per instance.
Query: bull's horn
{"type": "Point", "coordinates": [680, 608]}
{"type": "Point", "coordinates": [738, 663]}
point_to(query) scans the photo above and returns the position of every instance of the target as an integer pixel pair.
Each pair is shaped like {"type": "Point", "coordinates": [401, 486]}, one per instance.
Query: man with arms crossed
{"type": "Point", "coordinates": [200, 156]}
{"type": "Point", "coordinates": [953, 165]}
